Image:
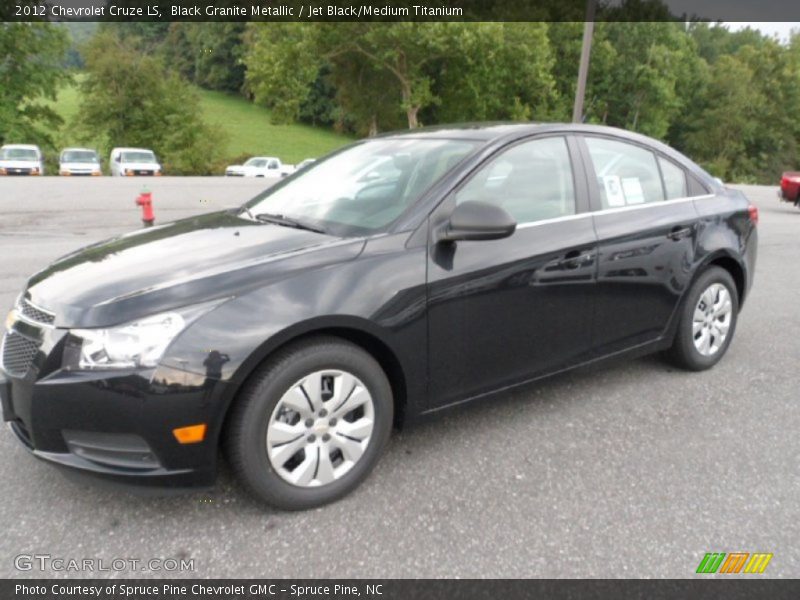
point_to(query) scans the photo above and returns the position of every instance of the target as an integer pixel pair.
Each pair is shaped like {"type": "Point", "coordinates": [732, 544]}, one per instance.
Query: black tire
{"type": "Point", "coordinates": [246, 429]}
{"type": "Point", "coordinates": [683, 352]}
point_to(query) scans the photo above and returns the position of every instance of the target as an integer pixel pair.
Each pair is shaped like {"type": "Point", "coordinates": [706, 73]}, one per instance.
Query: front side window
{"type": "Point", "coordinates": [674, 179]}
{"type": "Point", "coordinates": [532, 181]}
{"type": "Point", "coordinates": [364, 188]}
{"type": "Point", "coordinates": [627, 175]}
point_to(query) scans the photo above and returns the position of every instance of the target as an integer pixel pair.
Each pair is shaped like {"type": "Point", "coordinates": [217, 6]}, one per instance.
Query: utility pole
{"type": "Point", "coordinates": [583, 70]}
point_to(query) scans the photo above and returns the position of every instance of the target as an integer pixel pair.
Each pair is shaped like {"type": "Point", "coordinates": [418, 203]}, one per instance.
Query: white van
{"type": "Point", "coordinates": [127, 162]}
{"type": "Point", "coordinates": [79, 161]}
{"type": "Point", "coordinates": [21, 159]}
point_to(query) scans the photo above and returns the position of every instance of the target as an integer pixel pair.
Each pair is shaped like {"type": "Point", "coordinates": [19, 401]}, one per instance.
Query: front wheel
{"type": "Point", "coordinates": [311, 424]}
{"type": "Point", "coordinates": [707, 321]}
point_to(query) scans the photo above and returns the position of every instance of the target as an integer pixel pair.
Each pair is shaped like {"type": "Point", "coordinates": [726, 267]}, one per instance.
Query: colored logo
{"type": "Point", "coordinates": [734, 562]}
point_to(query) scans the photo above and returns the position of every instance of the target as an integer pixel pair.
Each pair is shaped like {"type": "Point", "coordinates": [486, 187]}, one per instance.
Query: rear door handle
{"type": "Point", "coordinates": [678, 233]}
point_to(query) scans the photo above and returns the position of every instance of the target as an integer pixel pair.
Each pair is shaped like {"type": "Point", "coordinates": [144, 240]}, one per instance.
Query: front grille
{"type": "Point", "coordinates": [18, 353]}
{"type": "Point", "coordinates": [34, 313]}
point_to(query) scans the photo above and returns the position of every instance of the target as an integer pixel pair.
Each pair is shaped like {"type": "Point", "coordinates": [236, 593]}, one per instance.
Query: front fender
{"type": "Point", "coordinates": [381, 294]}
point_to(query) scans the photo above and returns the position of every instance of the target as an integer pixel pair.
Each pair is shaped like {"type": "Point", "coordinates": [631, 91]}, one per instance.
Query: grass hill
{"type": "Point", "coordinates": [247, 126]}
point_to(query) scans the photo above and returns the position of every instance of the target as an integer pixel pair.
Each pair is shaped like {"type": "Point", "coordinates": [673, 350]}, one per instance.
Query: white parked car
{"type": "Point", "coordinates": [127, 162]}
{"type": "Point", "coordinates": [21, 159]}
{"type": "Point", "coordinates": [79, 161]}
{"type": "Point", "coordinates": [260, 166]}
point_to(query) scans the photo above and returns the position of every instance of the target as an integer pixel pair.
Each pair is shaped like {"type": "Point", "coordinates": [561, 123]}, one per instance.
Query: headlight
{"type": "Point", "coordinates": [138, 344]}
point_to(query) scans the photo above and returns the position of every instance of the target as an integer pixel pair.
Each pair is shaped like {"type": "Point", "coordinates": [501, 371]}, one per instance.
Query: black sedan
{"type": "Point", "coordinates": [394, 278]}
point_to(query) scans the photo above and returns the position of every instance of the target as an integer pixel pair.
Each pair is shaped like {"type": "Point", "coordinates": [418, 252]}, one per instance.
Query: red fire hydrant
{"type": "Point", "coordinates": [145, 200]}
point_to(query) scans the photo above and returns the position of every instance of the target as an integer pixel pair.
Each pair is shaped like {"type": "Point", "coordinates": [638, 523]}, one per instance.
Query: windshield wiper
{"type": "Point", "coordinates": [288, 222]}
{"type": "Point", "coordinates": [246, 209]}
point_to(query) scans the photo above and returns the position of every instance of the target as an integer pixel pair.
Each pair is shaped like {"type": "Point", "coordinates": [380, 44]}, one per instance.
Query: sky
{"type": "Point", "coordinates": [770, 28]}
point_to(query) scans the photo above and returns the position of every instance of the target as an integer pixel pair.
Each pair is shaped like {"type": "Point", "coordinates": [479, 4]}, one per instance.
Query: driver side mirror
{"type": "Point", "coordinates": [477, 221]}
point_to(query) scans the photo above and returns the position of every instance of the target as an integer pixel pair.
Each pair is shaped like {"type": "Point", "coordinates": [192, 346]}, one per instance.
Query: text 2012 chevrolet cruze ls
{"type": "Point", "coordinates": [398, 276]}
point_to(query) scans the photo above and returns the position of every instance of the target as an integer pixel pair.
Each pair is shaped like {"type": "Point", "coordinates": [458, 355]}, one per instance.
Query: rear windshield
{"type": "Point", "coordinates": [79, 156]}
{"type": "Point", "coordinates": [18, 154]}
{"type": "Point", "coordinates": [140, 157]}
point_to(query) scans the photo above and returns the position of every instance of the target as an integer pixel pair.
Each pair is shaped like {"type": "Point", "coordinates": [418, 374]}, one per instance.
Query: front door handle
{"type": "Point", "coordinates": [576, 259]}
{"type": "Point", "coordinates": [678, 233]}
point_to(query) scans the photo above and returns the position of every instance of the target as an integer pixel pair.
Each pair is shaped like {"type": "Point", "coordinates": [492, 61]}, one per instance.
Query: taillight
{"type": "Point", "coordinates": [752, 212]}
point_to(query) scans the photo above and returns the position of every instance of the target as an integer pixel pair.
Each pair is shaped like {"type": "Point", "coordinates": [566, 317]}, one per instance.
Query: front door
{"type": "Point", "coordinates": [504, 311]}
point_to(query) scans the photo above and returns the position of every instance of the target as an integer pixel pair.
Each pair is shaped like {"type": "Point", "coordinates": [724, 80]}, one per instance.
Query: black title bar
{"type": "Point", "coordinates": [397, 10]}
{"type": "Point", "coordinates": [729, 588]}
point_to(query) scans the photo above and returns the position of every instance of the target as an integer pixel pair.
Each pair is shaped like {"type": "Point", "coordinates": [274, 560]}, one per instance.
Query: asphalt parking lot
{"type": "Point", "coordinates": [626, 470]}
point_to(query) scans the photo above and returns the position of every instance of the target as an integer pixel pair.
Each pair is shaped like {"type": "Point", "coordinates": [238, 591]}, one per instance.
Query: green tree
{"type": "Point", "coordinates": [381, 71]}
{"type": "Point", "coordinates": [282, 62]}
{"type": "Point", "coordinates": [497, 71]}
{"type": "Point", "coordinates": [284, 59]}
{"type": "Point", "coordinates": [31, 71]}
{"type": "Point", "coordinates": [718, 134]}
{"type": "Point", "coordinates": [207, 54]}
{"type": "Point", "coordinates": [640, 87]}
{"type": "Point", "coordinates": [131, 99]}
{"type": "Point", "coordinates": [746, 126]}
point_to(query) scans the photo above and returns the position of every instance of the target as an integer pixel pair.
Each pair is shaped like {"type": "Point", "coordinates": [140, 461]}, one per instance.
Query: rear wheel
{"type": "Point", "coordinates": [311, 424]}
{"type": "Point", "coordinates": [707, 321]}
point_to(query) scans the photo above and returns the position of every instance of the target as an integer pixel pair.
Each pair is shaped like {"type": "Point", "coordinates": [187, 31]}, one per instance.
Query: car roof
{"type": "Point", "coordinates": [488, 132]}
{"type": "Point", "coordinates": [505, 132]}
{"type": "Point", "coordinates": [22, 146]}
{"type": "Point", "coordinates": [79, 150]}
{"type": "Point", "coordinates": [131, 150]}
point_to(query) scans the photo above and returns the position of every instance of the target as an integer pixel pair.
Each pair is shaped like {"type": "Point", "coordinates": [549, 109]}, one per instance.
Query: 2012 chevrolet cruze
{"type": "Point", "coordinates": [394, 278]}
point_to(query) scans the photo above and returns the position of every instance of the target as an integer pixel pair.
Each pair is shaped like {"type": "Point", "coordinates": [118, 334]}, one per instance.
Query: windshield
{"type": "Point", "coordinates": [18, 154]}
{"type": "Point", "coordinates": [364, 188]}
{"type": "Point", "coordinates": [138, 157]}
{"type": "Point", "coordinates": [256, 162]}
{"type": "Point", "coordinates": [78, 156]}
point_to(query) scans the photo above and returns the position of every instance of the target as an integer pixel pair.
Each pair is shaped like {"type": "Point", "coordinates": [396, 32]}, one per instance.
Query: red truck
{"type": "Point", "coordinates": [790, 187]}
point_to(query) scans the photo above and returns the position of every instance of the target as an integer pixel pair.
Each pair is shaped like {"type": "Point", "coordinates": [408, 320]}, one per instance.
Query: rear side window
{"type": "Point", "coordinates": [532, 181]}
{"type": "Point", "coordinates": [626, 174]}
{"type": "Point", "coordinates": [674, 179]}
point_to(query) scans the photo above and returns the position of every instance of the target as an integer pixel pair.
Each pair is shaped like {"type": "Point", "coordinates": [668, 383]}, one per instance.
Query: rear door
{"type": "Point", "coordinates": [503, 311]}
{"type": "Point", "coordinates": [647, 229]}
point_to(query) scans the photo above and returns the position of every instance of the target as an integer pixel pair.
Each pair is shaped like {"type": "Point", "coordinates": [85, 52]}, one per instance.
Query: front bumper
{"type": "Point", "coordinates": [116, 425]}
{"type": "Point", "coordinates": [19, 171]}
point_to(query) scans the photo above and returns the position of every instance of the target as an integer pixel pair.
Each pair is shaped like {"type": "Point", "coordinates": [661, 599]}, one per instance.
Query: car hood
{"type": "Point", "coordinates": [19, 164]}
{"type": "Point", "coordinates": [194, 260]}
